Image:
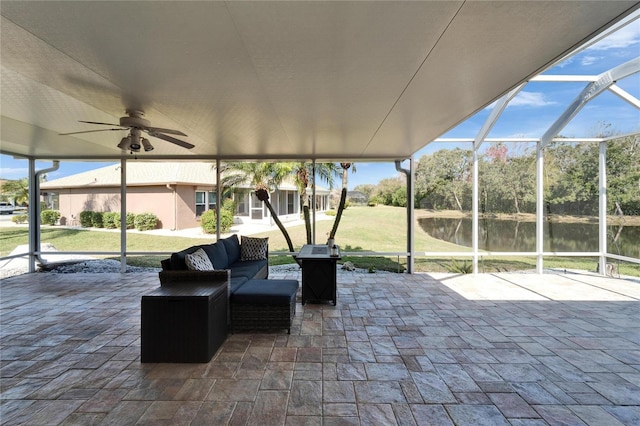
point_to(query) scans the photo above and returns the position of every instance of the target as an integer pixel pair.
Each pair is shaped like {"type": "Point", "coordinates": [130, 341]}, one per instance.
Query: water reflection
{"type": "Point", "coordinates": [511, 235]}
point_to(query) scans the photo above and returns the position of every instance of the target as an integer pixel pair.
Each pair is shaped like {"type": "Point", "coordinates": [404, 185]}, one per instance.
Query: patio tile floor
{"type": "Point", "coordinates": [423, 349]}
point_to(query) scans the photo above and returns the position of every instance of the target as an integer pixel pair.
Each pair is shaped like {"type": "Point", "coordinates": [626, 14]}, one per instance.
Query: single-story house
{"type": "Point", "coordinates": [357, 197]}
{"type": "Point", "coordinates": [176, 192]}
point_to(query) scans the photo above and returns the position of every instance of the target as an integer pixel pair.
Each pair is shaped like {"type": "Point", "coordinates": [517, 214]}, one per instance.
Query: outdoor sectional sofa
{"type": "Point", "coordinates": [255, 302]}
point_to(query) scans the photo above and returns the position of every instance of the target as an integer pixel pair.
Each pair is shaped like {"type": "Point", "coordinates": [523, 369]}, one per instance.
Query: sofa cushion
{"type": "Point", "coordinates": [217, 255]}
{"type": "Point", "coordinates": [198, 261]}
{"type": "Point", "coordinates": [232, 245]}
{"type": "Point", "coordinates": [253, 248]}
{"type": "Point", "coordinates": [250, 269]}
{"type": "Point", "coordinates": [177, 259]}
{"type": "Point", "coordinates": [274, 292]}
{"type": "Point", "coordinates": [236, 282]}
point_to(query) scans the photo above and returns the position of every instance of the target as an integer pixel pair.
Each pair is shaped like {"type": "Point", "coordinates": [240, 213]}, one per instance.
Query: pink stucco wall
{"type": "Point", "coordinates": [174, 206]}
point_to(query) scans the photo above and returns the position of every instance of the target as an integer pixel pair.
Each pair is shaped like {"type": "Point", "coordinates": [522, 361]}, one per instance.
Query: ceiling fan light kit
{"type": "Point", "coordinates": [124, 143]}
{"type": "Point", "coordinates": [136, 124]}
{"type": "Point", "coordinates": [147, 145]}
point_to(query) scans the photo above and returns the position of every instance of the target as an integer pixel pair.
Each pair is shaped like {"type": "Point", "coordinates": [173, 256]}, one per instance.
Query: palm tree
{"type": "Point", "coordinates": [263, 177]}
{"type": "Point", "coordinates": [17, 190]}
{"type": "Point", "coordinates": [345, 174]}
{"type": "Point", "coordinates": [325, 171]}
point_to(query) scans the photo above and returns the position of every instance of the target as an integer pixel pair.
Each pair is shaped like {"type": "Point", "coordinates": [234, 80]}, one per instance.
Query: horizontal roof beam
{"type": "Point", "coordinates": [564, 78]}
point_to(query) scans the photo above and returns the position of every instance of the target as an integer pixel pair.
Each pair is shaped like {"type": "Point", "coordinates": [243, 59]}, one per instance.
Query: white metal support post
{"type": "Point", "coordinates": [602, 207]}
{"type": "Point", "coordinates": [539, 208]}
{"type": "Point", "coordinates": [34, 212]}
{"type": "Point", "coordinates": [495, 114]}
{"type": "Point", "coordinates": [409, 175]}
{"type": "Point", "coordinates": [123, 215]}
{"type": "Point", "coordinates": [34, 216]}
{"type": "Point", "coordinates": [218, 198]}
{"type": "Point", "coordinates": [313, 202]}
{"type": "Point", "coordinates": [474, 208]}
{"type": "Point", "coordinates": [411, 215]}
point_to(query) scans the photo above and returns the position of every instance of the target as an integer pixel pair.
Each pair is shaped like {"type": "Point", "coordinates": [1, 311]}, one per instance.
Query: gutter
{"type": "Point", "coordinates": [34, 204]}
{"type": "Point", "coordinates": [175, 206]}
{"type": "Point", "coordinates": [409, 176]}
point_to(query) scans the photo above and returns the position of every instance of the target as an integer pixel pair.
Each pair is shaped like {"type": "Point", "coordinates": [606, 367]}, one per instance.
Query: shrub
{"type": "Point", "coordinates": [229, 205]}
{"type": "Point", "coordinates": [49, 217]}
{"type": "Point", "coordinates": [457, 268]}
{"type": "Point", "coordinates": [130, 220]}
{"type": "Point", "coordinates": [226, 220]}
{"type": "Point", "coordinates": [145, 221]}
{"type": "Point", "coordinates": [226, 214]}
{"type": "Point", "coordinates": [330, 212]}
{"type": "Point", "coordinates": [109, 220]}
{"type": "Point", "coordinates": [399, 197]}
{"type": "Point", "coordinates": [96, 219]}
{"type": "Point", "coordinates": [375, 200]}
{"type": "Point", "coordinates": [86, 219]}
{"type": "Point", "coordinates": [371, 204]}
{"type": "Point", "coordinates": [208, 221]}
{"type": "Point", "coordinates": [20, 218]}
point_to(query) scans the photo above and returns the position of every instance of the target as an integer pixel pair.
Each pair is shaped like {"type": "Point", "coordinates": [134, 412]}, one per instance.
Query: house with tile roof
{"type": "Point", "coordinates": [176, 192]}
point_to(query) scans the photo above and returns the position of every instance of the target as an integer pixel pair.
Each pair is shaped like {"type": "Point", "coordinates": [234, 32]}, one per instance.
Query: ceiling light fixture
{"type": "Point", "coordinates": [124, 143]}
{"type": "Point", "coordinates": [147, 145]}
{"type": "Point", "coordinates": [134, 146]}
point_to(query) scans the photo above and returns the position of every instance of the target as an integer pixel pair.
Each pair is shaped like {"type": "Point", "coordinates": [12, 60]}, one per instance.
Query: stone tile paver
{"type": "Point", "coordinates": [397, 349]}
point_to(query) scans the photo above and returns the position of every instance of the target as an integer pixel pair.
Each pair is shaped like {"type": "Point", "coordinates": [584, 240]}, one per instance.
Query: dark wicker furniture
{"type": "Point", "coordinates": [224, 255]}
{"type": "Point", "coordinates": [319, 281]}
{"type": "Point", "coordinates": [264, 305]}
{"type": "Point", "coordinates": [183, 323]}
{"type": "Point", "coordinates": [253, 301]}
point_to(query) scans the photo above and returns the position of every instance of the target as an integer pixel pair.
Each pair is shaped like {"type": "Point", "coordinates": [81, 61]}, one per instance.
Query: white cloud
{"type": "Point", "coordinates": [623, 38]}
{"type": "Point", "coordinates": [531, 99]}
{"type": "Point", "coordinates": [589, 60]}
{"type": "Point", "coordinates": [14, 172]}
{"type": "Point", "coordinates": [565, 63]}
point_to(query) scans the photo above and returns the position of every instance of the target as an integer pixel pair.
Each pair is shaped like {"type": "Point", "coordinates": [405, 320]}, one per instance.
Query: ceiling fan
{"type": "Point", "coordinates": [137, 124]}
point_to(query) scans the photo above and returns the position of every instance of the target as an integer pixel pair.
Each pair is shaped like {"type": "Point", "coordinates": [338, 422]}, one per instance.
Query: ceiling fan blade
{"type": "Point", "coordinates": [89, 131]}
{"type": "Point", "coordinates": [172, 140]}
{"type": "Point", "coordinates": [97, 122]}
{"type": "Point", "coordinates": [161, 130]}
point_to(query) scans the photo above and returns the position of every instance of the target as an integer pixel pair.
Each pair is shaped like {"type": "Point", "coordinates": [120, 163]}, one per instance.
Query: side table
{"type": "Point", "coordinates": [184, 323]}
{"type": "Point", "coordinates": [319, 281]}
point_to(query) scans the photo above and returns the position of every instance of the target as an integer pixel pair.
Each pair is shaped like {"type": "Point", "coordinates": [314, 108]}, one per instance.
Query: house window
{"type": "Point", "coordinates": [205, 200]}
{"type": "Point", "coordinates": [291, 205]}
{"type": "Point", "coordinates": [242, 200]}
{"type": "Point", "coordinates": [287, 204]}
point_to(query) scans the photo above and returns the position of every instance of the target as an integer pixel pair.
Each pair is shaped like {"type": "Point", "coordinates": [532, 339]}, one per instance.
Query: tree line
{"type": "Point", "coordinates": [507, 179]}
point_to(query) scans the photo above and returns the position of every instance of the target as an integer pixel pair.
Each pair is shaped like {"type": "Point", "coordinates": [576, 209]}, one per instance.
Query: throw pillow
{"type": "Point", "coordinates": [198, 261]}
{"type": "Point", "coordinates": [253, 248]}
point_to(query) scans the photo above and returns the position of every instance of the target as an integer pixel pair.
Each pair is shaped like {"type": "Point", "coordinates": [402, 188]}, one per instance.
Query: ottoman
{"type": "Point", "coordinates": [264, 305]}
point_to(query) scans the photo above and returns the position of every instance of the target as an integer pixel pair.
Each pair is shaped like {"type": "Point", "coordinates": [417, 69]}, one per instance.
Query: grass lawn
{"type": "Point", "coordinates": [361, 229]}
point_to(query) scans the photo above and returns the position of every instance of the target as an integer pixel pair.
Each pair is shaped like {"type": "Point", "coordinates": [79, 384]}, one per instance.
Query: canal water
{"type": "Point", "coordinates": [511, 235]}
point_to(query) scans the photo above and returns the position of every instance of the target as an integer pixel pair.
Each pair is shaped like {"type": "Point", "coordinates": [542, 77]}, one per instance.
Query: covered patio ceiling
{"type": "Point", "coordinates": [272, 80]}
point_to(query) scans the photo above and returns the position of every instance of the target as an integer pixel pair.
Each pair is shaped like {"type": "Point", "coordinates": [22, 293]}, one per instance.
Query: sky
{"type": "Point", "coordinates": [528, 115]}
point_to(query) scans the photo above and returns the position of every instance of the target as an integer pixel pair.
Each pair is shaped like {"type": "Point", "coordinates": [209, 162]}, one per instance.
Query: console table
{"type": "Point", "coordinates": [318, 273]}
{"type": "Point", "coordinates": [184, 323]}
